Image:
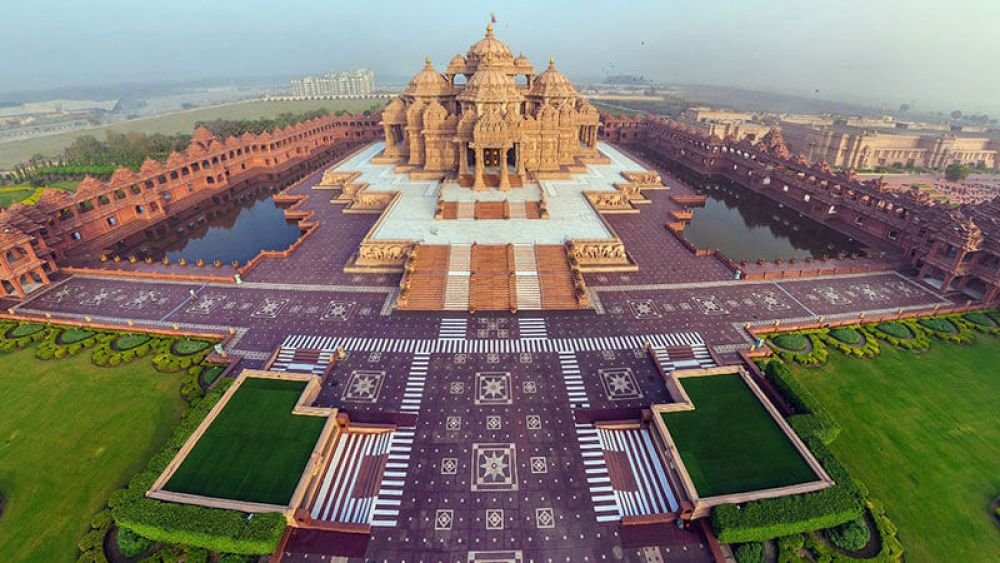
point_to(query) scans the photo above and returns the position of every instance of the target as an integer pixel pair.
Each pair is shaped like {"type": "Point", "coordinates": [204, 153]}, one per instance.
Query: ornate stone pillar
{"type": "Point", "coordinates": [463, 158]}
{"type": "Point", "coordinates": [504, 178]}
{"type": "Point", "coordinates": [478, 183]}
{"type": "Point", "coordinates": [519, 155]}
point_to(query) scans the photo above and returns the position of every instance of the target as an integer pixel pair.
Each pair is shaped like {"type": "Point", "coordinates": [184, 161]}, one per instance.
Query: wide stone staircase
{"type": "Point", "coordinates": [489, 277]}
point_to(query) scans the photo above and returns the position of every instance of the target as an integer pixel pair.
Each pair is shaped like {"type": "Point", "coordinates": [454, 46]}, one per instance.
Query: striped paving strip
{"type": "Point", "coordinates": [653, 494]}
{"type": "Point", "coordinates": [701, 358]}
{"type": "Point", "coordinates": [452, 329]}
{"type": "Point", "coordinates": [390, 493]}
{"type": "Point", "coordinates": [573, 380]}
{"type": "Point", "coordinates": [606, 504]}
{"type": "Point", "coordinates": [488, 346]}
{"type": "Point", "coordinates": [286, 361]}
{"type": "Point", "coordinates": [414, 392]}
{"type": "Point", "coordinates": [532, 328]}
{"type": "Point", "coordinates": [336, 500]}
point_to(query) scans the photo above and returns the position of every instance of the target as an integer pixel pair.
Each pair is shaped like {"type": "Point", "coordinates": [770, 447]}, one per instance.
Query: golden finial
{"type": "Point", "coordinates": [489, 29]}
{"type": "Point", "coordinates": [427, 60]}
{"type": "Point", "coordinates": [552, 61]}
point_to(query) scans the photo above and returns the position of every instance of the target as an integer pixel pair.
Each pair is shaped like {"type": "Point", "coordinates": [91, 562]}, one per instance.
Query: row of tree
{"type": "Point", "coordinates": [88, 155]}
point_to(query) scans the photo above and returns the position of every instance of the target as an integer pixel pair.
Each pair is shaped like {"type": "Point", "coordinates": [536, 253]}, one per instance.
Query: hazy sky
{"type": "Point", "coordinates": [940, 54]}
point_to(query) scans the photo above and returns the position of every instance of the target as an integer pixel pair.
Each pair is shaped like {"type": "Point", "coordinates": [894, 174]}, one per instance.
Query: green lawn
{"type": "Point", "coordinates": [70, 434]}
{"type": "Point", "coordinates": [20, 192]}
{"type": "Point", "coordinates": [14, 152]}
{"type": "Point", "coordinates": [922, 431]}
{"type": "Point", "coordinates": [255, 450]}
{"type": "Point", "coordinates": [729, 443]}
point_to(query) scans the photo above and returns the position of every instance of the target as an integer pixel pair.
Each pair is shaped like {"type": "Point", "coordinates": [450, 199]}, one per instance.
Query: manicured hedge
{"type": "Point", "coordinates": [74, 335]}
{"type": "Point", "coordinates": [816, 354]}
{"type": "Point", "coordinates": [129, 341]}
{"type": "Point", "coordinates": [905, 334]}
{"type": "Point", "coordinates": [891, 550]}
{"type": "Point", "coordinates": [212, 373]}
{"type": "Point", "coordinates": [897, 329]}
{"type": "Point", "coordinates": [847, 335]}
{"type": "Point", "coordinates": [186, 346]}
{"type": "Point", "coordinates": [766, 519]}
{"type": "Point", "coordinates": [802, 400]}
{"type": "Point", "coordinates": [980, 319]}
{"type": "Point", "coordinates": [791, 341]}
{"type": "Point", "coordinates": [749, 553]}
{"type": "Point", "coordinates": [851, 536]}
{"type": "Point", "coordinates": [937, 323]}
{"type": "Point", "coordinates": [25, 329]}
{"type": "Point", "coordinates": [226, 531]}
{"type": "Point", "coordinates": [131, 544]}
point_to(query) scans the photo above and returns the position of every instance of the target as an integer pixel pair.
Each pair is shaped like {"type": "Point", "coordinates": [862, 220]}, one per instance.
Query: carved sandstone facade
{"type": "Point", "coordinates": [102, 213]}
{"type": "Point", "coordinates": [954, 249]}
{"type": "Point", "coordinates": [492, 124]}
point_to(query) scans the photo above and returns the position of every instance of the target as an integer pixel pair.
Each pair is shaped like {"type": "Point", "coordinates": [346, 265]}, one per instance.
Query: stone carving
{"type": "Point", "coordinates": [383, 252]}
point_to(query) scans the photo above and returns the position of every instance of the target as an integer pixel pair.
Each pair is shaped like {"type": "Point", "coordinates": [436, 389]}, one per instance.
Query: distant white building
{"type": "Point", "coordinates": [358, 82]}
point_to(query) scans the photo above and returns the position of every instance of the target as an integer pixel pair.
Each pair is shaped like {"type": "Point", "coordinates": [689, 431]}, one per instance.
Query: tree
{"type": "Point", "coordinates": [957, 114]}
{"type": "Point", "coordinates": [956, 172]}
{"type": "Point", "coordinates": [903, 108]}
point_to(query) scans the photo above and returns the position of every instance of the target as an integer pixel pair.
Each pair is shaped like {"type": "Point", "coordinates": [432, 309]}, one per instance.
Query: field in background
{"type": "Point", "coordinates": [13, 152]}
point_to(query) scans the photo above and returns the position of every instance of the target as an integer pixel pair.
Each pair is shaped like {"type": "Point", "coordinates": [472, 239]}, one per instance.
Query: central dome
{"type": "Point", "coordinates": [489, 45]}
{"type": "Point", "coordinates": [490, 84]}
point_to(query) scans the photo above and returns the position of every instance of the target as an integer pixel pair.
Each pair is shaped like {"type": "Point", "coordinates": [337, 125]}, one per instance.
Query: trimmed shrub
{"type": "Point", "coordinates": [899, 330]}
{"type": "Point", "coordinates": [25, 330]}
{"type": "Point", "coordinates": [980, 319]}
{"type": "Point", "coordinates": [92, 539]}
{"type": "Point", "coordinates": [129, 341]}
{"type": "Point", "coordinates": [852, 536]}
{"type": "Point", "coordinates": [891, 550]}
{"type": "Point", "coordinates": [186, 346]}
{"type": "Point", "coordinates": [765, 519]}
{"type": "Point", "coordinates": [131, 544]}
{"type": "Point", "coordinates": [749, 553]}
{"type": "Point", "coordinates": [847, 335]}
{"type": "Point", "coordinates": [937, 323]}
{"type": "Point", "coordinates": [791, 341]}
{"type": "Point", "coordinates": [74, 335]}
{"type": "Point", "coordinates": [101, 520]}
{"type": "Point", "coordinates": [212, 373]}
{"type": "Point", "coordinates": [95, 555]}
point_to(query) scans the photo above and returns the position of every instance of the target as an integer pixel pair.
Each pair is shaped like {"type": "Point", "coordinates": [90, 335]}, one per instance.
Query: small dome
{"type": "Point", "coordinates": [524, 65]}
{"type": "Point", "coordinates": [489, 45]}
{"type": "Point", "coordinates": [427, 82]}
{"type": "Point", "coordinates": [490, 84]}
{"type": "Point", "coordinates": [457, 60]}
{"type": "Point", "coordinates": [552, 84]}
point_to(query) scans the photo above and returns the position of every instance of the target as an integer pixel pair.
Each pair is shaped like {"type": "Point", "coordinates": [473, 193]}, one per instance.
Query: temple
{"type": "Point", "coordinates": [490, 116]}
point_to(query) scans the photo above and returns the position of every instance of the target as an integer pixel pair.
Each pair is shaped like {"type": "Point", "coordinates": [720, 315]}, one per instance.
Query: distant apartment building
{"type": "Point", "coordinates": [358, 82]}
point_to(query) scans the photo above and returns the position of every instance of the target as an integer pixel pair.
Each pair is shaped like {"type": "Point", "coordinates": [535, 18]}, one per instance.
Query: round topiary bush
{"type": "Point", "coordinates": [938, 324]}
{"type": "Point", "coordinates": [899, 330]}
{"type": "Point", "coordinates": [791, 341]}
{"type": "Point", "coordinates": [852, 536]}
{"type": "Point", "coordinates": [847, 335]}
{"type": "Point", "coordinates": [749, 553]}
{"type": "Point", "coordinates": [131, 544]}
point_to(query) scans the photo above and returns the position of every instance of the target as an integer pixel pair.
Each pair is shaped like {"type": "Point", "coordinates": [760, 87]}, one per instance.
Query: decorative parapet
{"type": "Point", "coordinates": [601, 255]}
{"type": "Point", "coordinates": [644, 178]}
{"type": "Point", "coordinates": [377, 256]}
{"type": "Point", "coordinates": [333, 178]}
{"type": "Point", "coordinates": [610, 202]}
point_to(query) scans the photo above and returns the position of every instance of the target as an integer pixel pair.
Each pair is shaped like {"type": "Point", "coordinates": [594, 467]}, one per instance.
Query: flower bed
{"type": "Point", "coordinates": [24, 330]}
{"type": "Point", "coordinates": [895, 329]}
{"type": "Point", "coordinates": [938, 323]}
{"type": "Point", "coordinates": [980, 319]}
{"type": "Point", "coordinates": [813, 353]}
{"type": "Point", "coordinates": [905, 334]}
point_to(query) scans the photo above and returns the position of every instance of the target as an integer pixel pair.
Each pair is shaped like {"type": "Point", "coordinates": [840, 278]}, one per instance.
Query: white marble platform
{"type": "Point", "coordinates": [412, 217]}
